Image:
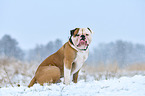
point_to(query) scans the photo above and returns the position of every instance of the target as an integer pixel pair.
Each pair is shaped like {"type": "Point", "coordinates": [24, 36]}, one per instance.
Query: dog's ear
{"type": "Point", "coordinates": [72, 31]}
{"type": "Point", "coordinates": [90, 30]}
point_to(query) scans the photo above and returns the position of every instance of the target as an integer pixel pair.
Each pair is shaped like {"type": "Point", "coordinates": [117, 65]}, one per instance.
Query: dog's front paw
{"type": "Point", "coordinates": [66, 81]}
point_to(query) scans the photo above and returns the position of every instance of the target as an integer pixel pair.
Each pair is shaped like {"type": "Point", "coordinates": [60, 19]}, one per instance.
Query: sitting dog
{"type": "Point", "coordinates": [67, 61]}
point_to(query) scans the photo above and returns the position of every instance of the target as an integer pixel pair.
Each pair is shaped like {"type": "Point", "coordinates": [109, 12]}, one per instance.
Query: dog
{"type": "Point", "coordinates": [67, 61]}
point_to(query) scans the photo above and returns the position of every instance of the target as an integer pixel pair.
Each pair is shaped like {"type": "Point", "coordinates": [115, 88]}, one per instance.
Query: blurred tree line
{"type": "Point", "coordinates": [40, 52]}
{"type": "Point", "coordinates": [121, 52]}
{"type": "Point", "coordinates": [9, 48]}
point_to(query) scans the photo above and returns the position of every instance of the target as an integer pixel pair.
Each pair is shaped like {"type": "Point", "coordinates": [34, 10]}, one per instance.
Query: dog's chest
{"type": "Point", "coordinates": [79, 60]}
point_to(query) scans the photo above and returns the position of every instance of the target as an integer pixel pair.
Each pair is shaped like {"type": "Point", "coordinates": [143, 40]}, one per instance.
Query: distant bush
{"type": "Point", "coordinates": [40, 52]}
{"type": "Point", "coordinates": [9, 48]}
{"type": "Point", "coordinates": [122, 52]}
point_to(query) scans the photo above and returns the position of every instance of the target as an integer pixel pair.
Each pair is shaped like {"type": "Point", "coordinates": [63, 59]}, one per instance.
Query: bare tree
{"type": "Point", "coordinates": [9, 47]}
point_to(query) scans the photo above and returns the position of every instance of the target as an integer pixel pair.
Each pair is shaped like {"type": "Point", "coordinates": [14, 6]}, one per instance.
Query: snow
{"type": "Point", "coordinates": [124, 86]}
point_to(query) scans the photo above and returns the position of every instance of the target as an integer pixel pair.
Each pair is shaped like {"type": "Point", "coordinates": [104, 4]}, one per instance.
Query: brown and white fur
{"type": "Point", "coordinates": [67, 61]}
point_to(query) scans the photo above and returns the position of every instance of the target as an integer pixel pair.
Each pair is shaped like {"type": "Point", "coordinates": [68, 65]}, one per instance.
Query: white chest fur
{"type": "Point", "coordinates": [79, 60]}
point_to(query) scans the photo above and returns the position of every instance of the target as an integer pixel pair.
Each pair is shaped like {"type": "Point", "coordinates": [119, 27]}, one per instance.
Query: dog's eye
{"type": "Point", "coordinates": [77, 35]}
{"type": "Point", "coordinates": [87, 34]}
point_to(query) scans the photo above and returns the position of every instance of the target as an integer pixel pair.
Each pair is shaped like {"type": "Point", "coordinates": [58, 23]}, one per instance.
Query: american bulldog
{"type": "Point", "coordinates": [67, 61]}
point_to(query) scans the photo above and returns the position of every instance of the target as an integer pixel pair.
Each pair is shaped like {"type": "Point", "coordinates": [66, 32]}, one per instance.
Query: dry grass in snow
{"type": "Point", "coordinates": [16, 73]}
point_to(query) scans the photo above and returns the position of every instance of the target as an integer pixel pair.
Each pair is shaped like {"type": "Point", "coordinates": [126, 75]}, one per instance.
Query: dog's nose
{"type": "Point", "coordinates": [83, 37]}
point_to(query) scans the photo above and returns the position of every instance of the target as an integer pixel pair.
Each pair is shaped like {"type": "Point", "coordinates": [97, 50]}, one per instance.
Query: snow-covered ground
{"type": "Point", "coordinates": [124, 86]}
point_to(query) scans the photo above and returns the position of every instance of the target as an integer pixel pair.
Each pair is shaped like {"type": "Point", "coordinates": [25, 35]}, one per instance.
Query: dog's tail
{"type": "Point", "coordinates": [32, 82]}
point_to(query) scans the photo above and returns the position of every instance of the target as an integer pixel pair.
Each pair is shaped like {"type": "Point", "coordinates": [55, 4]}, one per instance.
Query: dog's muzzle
{"type": "Point", "coordinates": [83, 37]}
{"type": "Point", "coordinates": [82, 42]}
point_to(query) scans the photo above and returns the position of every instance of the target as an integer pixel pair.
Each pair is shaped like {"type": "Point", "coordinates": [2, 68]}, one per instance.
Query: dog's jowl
{"type": "Point", "coordinates": [67, 61]}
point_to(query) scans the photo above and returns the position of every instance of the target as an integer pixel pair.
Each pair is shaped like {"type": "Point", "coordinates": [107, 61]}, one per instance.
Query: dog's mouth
{"type": "Point", "coordinates": [82, 43]}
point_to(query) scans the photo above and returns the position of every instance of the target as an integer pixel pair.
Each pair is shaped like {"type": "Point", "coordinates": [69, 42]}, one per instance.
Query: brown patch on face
{"type": "Point", "coordinates": [76, 31]}
{"type": "Point", "coordinates": [73, 31]}
{"type": "Point", "coordinates": [82, 31]}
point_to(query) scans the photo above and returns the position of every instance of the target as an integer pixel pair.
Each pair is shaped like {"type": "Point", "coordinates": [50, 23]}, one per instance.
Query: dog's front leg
{"type": "Point", "coordinates": [67, 71]}
{"type": "Point", "coordinates": [75, 77]}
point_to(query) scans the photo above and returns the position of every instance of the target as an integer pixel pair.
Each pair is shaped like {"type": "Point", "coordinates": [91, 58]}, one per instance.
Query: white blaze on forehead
{"type": "Point", "coordinates": [84, 31]}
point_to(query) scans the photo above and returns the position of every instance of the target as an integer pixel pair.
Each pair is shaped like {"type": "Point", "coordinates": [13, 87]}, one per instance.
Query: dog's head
{"type": "Point", "coordinates": [81, 38]}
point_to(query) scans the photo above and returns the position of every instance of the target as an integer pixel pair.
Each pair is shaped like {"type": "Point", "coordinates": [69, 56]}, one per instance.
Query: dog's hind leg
{"type": "Point", "coordinates": [47, 74]}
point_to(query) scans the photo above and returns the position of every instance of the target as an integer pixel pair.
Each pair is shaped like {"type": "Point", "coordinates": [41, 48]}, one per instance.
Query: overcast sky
{"type": "Point", "coordinates": [33, 22]}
